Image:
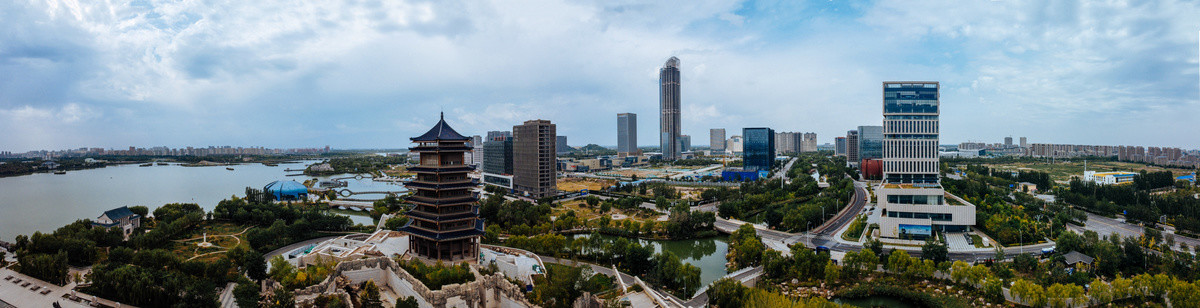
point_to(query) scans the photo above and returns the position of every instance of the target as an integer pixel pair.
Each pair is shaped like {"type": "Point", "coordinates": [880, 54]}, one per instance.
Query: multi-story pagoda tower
{"type": "Point", "coordinates": [444, 222]}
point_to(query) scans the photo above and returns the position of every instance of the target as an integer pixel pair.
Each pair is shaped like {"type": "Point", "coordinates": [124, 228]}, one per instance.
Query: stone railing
{"type": "Point", "coordinates": [472, 293]}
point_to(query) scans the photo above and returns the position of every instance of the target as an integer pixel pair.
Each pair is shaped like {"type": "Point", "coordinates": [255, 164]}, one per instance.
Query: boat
{"type": "Point", "coordinates": [60, 172]}
{"type": "Point", "coordinates": [146, 165]}
{"type": "Point", "coordinates": [229, 168]}
{"type": "Point", "coordinates": [271, 164]}
{"type": "Point", "coordinates": [162, 164]}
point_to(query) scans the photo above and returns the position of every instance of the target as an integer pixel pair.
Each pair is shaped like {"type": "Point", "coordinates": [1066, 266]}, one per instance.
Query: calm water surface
{"type": "Point", "coordinates": [43, 202]}
{"type": "Point", "coordinates": [708, 254]}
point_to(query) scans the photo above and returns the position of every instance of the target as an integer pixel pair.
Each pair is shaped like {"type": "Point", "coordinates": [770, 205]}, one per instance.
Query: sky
{"type": "Point", "coordinates": [371, 74]}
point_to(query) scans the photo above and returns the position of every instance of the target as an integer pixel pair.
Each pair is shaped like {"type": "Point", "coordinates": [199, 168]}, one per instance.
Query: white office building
{"type": "Point", "coordinates": [912, 201]}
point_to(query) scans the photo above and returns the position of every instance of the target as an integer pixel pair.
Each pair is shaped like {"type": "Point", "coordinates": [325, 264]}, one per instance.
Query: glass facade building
{"type": "Point", "coordinates": [758, 150]}
{"type": "Point", "coordinates": [626, 133]}
{"type": "Point", "coordinates": [870, 142]}
{"type": "Point", "coordinates": [668, 100]}
{"type": "Point", "coordinates": [910, 132]}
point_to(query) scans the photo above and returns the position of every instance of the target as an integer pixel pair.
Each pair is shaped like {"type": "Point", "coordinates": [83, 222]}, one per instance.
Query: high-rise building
{"type": "Point", "coordinates": [1008, 141]}
{"type": "Point", "coordinates": [839, 146]}
{"type": "Point", "coordinates": [668, 100]}
{"type": "Point", "coordinates": [1023, 144]}
{"type": "Point", "coordinates": [497, 135]}
{"type": "Point", "coordinates": [627, 134]}
{"type": "Point", "coordinates": [716, 139]}
{"type": "Point", "coordinates": [477, 150]}
{"type": "Point", "coordinates": [734, 144]}
{"type": "Point", "coordinates": [788, 142]}
{"type": "Point", "coordinates": [534, 159]}
{"type": "Point", "coordinates": [685, 143]}
{"type": "Point", "coordinates": [561, 146]}
{"type": "Point", "coordinates": [870, 142]}
{"type": "Point", "coordinates": [758, 153]}
{"type": "Point", "coordinates": [809, 143]}
{"type": "Point", "coordinates": [444, 221]}
{"type": "Point", "coordinates": [852, 148]}
{"type": "Point", "coordinates": [911, 197]}
{"type": "Point", "coordinates": [498, 163]}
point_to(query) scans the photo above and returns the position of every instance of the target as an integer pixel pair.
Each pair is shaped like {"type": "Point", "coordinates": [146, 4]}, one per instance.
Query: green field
{"type": "Point", "coordinates": [1063, 171]}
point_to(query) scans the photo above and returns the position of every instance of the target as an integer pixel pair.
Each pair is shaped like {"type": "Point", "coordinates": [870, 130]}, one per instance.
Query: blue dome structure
{"type": "Point", "coordinates": [286, 191]}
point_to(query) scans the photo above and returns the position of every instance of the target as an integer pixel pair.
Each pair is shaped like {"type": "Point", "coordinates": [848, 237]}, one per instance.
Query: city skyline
{"type": "Point", "coordinates": [185, 74]}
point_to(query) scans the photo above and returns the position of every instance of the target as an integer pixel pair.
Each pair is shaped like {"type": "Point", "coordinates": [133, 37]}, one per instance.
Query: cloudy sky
{"type": "Point", "coordinates": [370, 74]}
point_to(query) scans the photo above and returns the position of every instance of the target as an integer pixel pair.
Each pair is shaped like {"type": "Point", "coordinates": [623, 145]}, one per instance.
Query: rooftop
{"type": "Point", "coordinates": [440, 131]}
{"type": "Point", "coordinates": [910, 186]}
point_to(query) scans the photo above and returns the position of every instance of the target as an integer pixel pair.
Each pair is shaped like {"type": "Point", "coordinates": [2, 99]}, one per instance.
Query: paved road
{"type": "Point", "coordinates": [783, 172]}
{"type": "Point", "coordinates": [1105, 226]}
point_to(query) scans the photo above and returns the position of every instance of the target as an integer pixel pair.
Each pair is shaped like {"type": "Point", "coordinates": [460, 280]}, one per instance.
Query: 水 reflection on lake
{"type": "Point", "coordinates": [708, 254]}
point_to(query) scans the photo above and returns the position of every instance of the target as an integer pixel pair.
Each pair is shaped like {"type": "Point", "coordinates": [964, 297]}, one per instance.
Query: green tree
{"type": "Point", "coordinates": [726, 292]}
{"type": "Point", "coordinates": [1025, 263]}
{"type": "Point", "coordinates": [246, 294]}
{"type": "Point", "coordinates": [254, 265]}
{"type": "Point", "coordinates": [934, 250]}
{"type": "Point", "coordinates": [395, 222]}
{"type": "Point", "coordinates": [1101, 292]}
{"type": "Point", "coordinates": [832, 273]}
{"type": "Point", "coordinates": [407, 302]}
{"type": "Point", "coordinates": [369, 296]}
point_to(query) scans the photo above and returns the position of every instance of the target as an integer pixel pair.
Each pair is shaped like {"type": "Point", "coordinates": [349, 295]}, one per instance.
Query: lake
{"type": "Point", "coordinates": [708, 254]}
{"type": "Point", "coordinates": [44, 202]}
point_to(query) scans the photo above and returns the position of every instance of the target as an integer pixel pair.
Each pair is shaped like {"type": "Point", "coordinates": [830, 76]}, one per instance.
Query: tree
{"type": "Point", "coordinates": [369, 296]}
{"type": "Point", "coordinates": [726, 292]}
{"type": "Point", "coordinates": [1025, 263]}
{"type": "Point", "coordinates": [282, 298]}
{"type": "Point", "coordinates": [1028, 292]}
{"type": "Point", "coordinates": [254, 265]}
{"type": "Point", "coordinates": [832, 273]}
{"type": "Point", "coordinates": [246, 293]}
{"type": "Point", "coordinates": [407, 302]}
{"type": "Point", "coordinates": [1100, 291]}
{"type": "Point", "coordinates": [934, 250]}
{"type": "Point", "coordinates": [141, 210]}
{"type": "Point", "coordinates": [395, 222]}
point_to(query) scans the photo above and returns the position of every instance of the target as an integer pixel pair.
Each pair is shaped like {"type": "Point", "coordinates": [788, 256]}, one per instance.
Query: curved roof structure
{"type": "Point", "coordinates": [440, 131]}
{"type": "Point", "coordinates": [286, 190]}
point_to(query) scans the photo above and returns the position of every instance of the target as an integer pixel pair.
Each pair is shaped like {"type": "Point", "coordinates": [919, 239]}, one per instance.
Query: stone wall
{"type": "Point", "coordinates": [386, 273]}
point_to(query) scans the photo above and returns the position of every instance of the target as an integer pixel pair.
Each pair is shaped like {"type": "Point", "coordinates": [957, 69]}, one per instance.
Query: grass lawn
{"type": "Point", "coordinates": [220, 234]}
{"type": "Point", "coordinates": [1063, 171]}
{"type": "Point", "coordinates": [978, 241]}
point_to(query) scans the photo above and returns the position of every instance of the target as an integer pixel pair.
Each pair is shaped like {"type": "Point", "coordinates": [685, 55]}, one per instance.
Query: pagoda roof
{"type": "Point", "coordinates": [440, 131]}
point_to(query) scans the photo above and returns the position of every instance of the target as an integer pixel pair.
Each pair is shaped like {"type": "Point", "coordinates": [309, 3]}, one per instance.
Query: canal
{"type": "Point", "coordinates": [43, 201]}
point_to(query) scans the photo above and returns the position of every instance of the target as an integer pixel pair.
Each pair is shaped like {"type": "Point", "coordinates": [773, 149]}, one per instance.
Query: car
{"type": "Point", "coordinates": [1048, 250]}
{"type": "Point", "coordinates": [822, 249]}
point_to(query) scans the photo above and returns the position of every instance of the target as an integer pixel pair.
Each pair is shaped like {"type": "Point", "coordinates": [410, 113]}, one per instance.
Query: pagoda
{"type": "Point", "coordinates": [444, 221]}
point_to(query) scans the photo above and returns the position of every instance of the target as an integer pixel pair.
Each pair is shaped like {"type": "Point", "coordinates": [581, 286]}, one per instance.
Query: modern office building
{"type": "Point", "coordinates": [1023, 144]}
{"type": "Point", "coordinates": [685, 143]}
{"type": "Point", "coordinates": [627, 134]}
{"type": "Point", "coordinates": [912, 202]}
{"type": "Point", "coordinates": [498, 163]}
{"type": "Point", "coordinates": [734, 145]}
{"type": "Point", "coordinates": [788, 142]}
{"type": "Point", "coordinates": [444, 222]}
{"type": "Point", "coordinates": [839, 146]}
{"type": "Point", "coordinates": [870, 142]}
{"type": "Point", "coordinates": [561, 146]}
{"type": "Point", "coordinates": [668, 100]}
{"type": "Point", "coordinates": [716, 139]}
{"type": "Point", "coordinates": [852, 148]}
{"type": "Point", "coordinates": [808, 143]}
{"type": "Point", "coordinates": [497, 135]}
{"type": "Point", "coordinates": [1008, 141]}
{"type": "Point", "coordinates": [534, 159]}
{"type": "Point", "coordinates": [758, 152]}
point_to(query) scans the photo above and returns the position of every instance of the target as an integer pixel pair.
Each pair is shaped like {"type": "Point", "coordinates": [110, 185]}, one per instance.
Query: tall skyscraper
{"type": "Point", "coordinates": [911, 197]}
{"type": "Point", "coordinates": [716, 139]}
{"type": "Point", "coordinates": [1008, 141]}
{"type": "Point", "coordinates": [561, 146]}
{"type": "Point", "coordinates": [534, 159]}
{"type": "Point", "coordinates": [758, 152]}
{"type": "Point", "coordinates": [685, 143]}
{"type": "Point", "coordinates": [870, 142]}
{"type": "Point", "coordinates": [1023, 144]}
{"type": "Point", "coordinates": [444, 221]}
{"type": "Point", "coordinates": [627, 134]}
{"type": "Point", "coordinates": [668, 101]}
{"type": "Point", "coordinates": [852, 148]}
{"type": "Point", "coordinates": [498, 135]}
{"type": "Point", "coordinates": [839, 146]}
{"type": "Point", "coordinates": [477, 150]}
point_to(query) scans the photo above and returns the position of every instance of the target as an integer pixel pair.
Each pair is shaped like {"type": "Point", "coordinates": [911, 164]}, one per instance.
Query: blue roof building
{"type": "Point", "coordinates": [286, 191]}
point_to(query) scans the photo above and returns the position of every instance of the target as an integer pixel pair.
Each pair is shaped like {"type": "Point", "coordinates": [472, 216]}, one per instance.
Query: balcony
{"type": "Point", "coordinates": [441, 168]}
{"type": "Point", "coordinates": [444, 200]}
{"type": "Point", "coordinates": [444, 236]}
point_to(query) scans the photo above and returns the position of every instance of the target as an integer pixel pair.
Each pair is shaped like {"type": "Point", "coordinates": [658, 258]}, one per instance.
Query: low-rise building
{"type": "Point", "coordinates": [382, 243]}
{"type": "Point", "coordinates": [1109, 178]}
{"type": "Point", "coordinates": [122, 218]}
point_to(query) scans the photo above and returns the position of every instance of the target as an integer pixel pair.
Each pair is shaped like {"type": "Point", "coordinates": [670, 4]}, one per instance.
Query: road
{"type": "Point", "coordinates": [783, 172]}
{"type": "Point", "coordinates": [1105, 226]}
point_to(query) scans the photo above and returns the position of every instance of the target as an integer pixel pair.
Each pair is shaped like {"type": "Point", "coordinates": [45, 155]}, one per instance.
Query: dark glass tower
{"type": "Point", "coordinates": [444, 221]}
{"type": "Point", "coordinates": [668, 100]}
{"type": "Point", "coordinates": [758, 151]}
